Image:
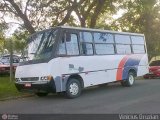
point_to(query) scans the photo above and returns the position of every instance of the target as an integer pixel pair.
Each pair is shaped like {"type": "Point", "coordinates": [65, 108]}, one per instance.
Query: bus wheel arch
{"type": "Point", "coordinates": [74, 86]}
{"type": "Point", "coordinates": [78, 77]}
{"type": "Point", "coordinates": [132, 73]}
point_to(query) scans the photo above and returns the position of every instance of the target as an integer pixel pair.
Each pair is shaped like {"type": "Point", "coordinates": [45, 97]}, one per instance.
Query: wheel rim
{"type": "Point", "coordinates": [74, 89]}
{"type": "Point", "coordinates": [131, 79]}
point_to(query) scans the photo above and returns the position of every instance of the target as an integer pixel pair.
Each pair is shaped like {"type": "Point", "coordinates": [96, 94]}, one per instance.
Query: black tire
{"type": "Point", "coordinates": [129, 81]}
{"type": "Point", "coordinates": [41, 94]}
{"type": "Point", "coordinates": [73, 88]}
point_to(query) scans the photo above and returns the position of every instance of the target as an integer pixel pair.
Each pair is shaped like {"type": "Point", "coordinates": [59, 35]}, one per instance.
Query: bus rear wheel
{"type": "Point", "coordinates": [41, 94]}
{"type": "Point", "coordinates": [73, 88]}
{"type": "Point", "coordinates": [129, 81]}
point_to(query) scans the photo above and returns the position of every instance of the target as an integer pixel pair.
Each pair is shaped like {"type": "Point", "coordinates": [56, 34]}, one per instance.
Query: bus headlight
{"type": "Point", "coordinates": [46, 77]}
{"type": "Point", "coordinates": [17, 79]}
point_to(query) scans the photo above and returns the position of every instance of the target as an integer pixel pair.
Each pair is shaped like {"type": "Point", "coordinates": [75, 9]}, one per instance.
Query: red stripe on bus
{"type": "Point", "coordinates": [120, 68]}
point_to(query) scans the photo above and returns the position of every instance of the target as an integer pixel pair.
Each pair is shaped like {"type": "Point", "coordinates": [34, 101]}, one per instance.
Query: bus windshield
{"type": "Point", "coordinates": [41, 45]}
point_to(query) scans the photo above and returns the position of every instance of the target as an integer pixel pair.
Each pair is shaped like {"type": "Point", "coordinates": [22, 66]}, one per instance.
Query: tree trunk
{"type": "Point", "coordinates": [24, 17]}
{"type": "Point", "coordinates": [11, 60]}
{"type": "Point", "coordinates": [96, 13]}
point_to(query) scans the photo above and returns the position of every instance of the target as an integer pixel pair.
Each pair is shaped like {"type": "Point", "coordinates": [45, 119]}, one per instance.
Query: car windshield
{"type": "Point", "coordinates": [41, 45]}
{"type": "Point", "coordinates": [6, 60]}
{"type": "Point", "coordinates": [155, 63]}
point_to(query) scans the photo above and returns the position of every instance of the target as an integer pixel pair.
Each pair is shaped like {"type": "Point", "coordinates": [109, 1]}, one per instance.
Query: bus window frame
{"type": "Point", "coordinates": [145, 46]}
{"type": "Point", "coordinates": [54, 50]}
{"type": "Point", "coordinates": [104, 43]}
{"type": "Point", "coordinates": [64, 32]}
{"type": "Point", "coordinates": [77, 32]}
{"type": "Point", "coordinates": [92, 43]}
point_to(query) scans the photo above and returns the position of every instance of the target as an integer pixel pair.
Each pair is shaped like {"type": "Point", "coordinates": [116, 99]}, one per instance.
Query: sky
{"type": "Point", "coordinates": [119, 14]}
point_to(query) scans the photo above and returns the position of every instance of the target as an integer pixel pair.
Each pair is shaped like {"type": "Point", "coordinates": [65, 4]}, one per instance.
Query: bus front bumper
{"type": "Point", "coordinates": [48, 86]}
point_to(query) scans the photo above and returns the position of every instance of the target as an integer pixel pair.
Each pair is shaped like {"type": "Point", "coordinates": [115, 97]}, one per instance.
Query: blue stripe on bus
{"type": "Point", "coordinates": [132, 63]}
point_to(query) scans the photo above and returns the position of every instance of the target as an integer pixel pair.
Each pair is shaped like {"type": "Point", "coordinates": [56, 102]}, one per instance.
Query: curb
{"type": "Point", "coordinates": [17, 97]}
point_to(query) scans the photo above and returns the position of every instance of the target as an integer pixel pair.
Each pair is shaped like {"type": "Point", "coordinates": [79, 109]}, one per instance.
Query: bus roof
{"type": "Point", "coordinates": [100, 30]}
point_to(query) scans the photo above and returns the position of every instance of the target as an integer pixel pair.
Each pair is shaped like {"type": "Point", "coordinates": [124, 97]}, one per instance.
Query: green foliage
{"type": "Point", "coordinates": [7, 88]}
{"type": "Point", "coordinates": [3, 27]}
{"type": "Point", "coordinates": [1, 43]}
{"type": "Point", "coordinates": [142, 16]}
{"type": "Point", "coordinates": [19, 41]}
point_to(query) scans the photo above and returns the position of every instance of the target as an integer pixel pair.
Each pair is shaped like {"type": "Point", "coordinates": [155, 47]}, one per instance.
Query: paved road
{"type": "Point", "coordinates": [143, 97]}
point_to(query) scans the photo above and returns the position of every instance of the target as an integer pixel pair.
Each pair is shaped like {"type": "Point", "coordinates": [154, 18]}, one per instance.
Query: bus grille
{"type": "Point", "coordinates": [30, 79]}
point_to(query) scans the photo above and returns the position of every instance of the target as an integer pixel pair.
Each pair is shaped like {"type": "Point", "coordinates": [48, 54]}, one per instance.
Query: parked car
{"type": "Point", "coordinates": [5, 64]}
{"type": "Point", "coordinates": [4, 68]}
{"type": "Point", "coordinates": [154, 70]}
{"type": "Point", "coordinates": [5, 59]}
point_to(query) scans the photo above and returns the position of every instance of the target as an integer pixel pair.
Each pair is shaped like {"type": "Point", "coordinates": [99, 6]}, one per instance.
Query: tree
{"type": "Point", "coordinates": [19, 40]}
{"type": "Point", "coordinates": [38, 14]}
{"type": "Point", "coordinates": [1, 42]}
{"type": "Point", "coordinates": [142, 16]}
{"type": "Point", "coordinates": [3, 27]}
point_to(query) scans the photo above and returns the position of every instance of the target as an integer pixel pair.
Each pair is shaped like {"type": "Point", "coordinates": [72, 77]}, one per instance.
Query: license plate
{"type": "Point", "coordinates": [27, 85]}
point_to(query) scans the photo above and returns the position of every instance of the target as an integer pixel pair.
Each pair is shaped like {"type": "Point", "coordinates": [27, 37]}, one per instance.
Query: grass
{"type": "Point", "coordinates": [7, 88]}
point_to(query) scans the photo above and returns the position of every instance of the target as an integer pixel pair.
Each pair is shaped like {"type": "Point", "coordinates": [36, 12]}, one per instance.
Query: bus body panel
{"type": "Point", "coordinates": [143, 66]}
{"type": "Point", "coordinates": [96, 69]}
{"type": "Point", "coordinates": [33, 70]}
{"type": "Point", "coordinates": [93, 69]}
{"type": "Point", "coordinates": [40, 70]}
{"type": "Point", "coordinates": [102, 69]}
{"type": "Point", "coordinates": [55, 71]}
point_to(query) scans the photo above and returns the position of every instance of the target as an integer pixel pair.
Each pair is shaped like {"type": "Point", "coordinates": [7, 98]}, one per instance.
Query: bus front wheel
{"type": "Point", "coordinates": [73, 88]}
{"type": "Point", "coordinates": [129, 81]}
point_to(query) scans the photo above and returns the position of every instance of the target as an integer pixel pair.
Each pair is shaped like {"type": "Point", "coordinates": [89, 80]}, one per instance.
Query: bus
{"type": "Point", "coordinates": [68, 59]}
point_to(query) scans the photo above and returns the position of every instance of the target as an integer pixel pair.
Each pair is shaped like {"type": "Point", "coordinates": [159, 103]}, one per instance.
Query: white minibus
{"type": "Point", "coordinates": [67, 59]}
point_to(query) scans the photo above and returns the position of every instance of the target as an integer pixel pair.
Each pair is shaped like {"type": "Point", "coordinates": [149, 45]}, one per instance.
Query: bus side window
{"type": "Point", "coordinates": [138, 44]}
{"type": "Point", "coordinates": [72, 44]}
{"type": "Point", "coordinates": [137, 40]}
{"type": "Point", "coordinates": [104, 49]}
{"type": "Point", "coordinates": [62, 49]}
{"type": "Point", "coordinates": [138, 49]}
{"type": "Point", "coordinates": [123, 49]}
{"type": "Point", "coordinates": [123, 44]}
{"type": "Point", "coordinates": [86, 43]}
{"type": "Point", "coordinates": [87, 48]}
{"type": "Point", "coordinates": [103, 43]}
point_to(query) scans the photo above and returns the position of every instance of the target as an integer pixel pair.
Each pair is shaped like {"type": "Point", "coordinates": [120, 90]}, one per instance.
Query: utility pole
{"type": "Point", "coordinates": [11, 60]}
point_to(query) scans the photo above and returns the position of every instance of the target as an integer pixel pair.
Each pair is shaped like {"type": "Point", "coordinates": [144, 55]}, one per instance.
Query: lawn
{"type": "Point", "coordinates": [7, 88]}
